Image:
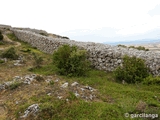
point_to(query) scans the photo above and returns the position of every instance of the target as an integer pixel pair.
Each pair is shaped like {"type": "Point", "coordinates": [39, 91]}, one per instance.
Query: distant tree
{"type": "Point", "coordinates": [65, 37]}
{"type": "Point", "coordinates": [122, 46]}
{"type": "Point", "coordinates": [139, 48]}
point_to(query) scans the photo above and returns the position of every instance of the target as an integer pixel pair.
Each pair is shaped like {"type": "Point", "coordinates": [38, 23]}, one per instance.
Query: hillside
{"type": "Point", "coordinates": [153, 45]}
{"type": "Point", "coordinates": [38, 93]}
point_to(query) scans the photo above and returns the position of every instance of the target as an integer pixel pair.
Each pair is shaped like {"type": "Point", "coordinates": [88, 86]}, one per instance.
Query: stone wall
{"type": "Point", "coordinates": [103, 57]}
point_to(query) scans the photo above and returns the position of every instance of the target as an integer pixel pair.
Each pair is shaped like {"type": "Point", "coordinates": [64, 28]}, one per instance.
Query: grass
{"type": "Point", "coordinates": [14, 85]}
{"type": "Point", "coordinates": [115, 99]}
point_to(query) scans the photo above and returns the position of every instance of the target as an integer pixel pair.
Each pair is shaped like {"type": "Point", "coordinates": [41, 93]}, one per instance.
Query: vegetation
{"type": "Point", "coordinates": [133, 70]}
{"type": "Point", "coordinates": [65, 37]}
{"type": "Point", "coordinates": [139, 48]}
{"type": "Point", "coordinates": [71, 61]}
{"type": "Point", "coordinates": [37, 60]}
{"type": "Point", "coordinates": [1, 36]}
{"type": "Point", "coordinates": [112, 101]}
{"type": "Point", "coordinates": [10, 53]}
{"type": "Point", "coordinates": [122, 46]}
{"type": "Point", "coordinates": [44, 34]}
{"type": "Point", "coordinates": [12, 37]}
{"type": "Point", "coordinates": [150, 80]}
{"type": "Point", "coordinates": [1, 61]}
{"type": "Point", "coordinates": [14, 85]}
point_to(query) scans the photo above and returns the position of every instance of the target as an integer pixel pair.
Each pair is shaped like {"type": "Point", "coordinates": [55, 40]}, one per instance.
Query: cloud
{"type": "Point", "coordinates": [155, 11]}
{"type": "Point", "coordinates": [110, 35]}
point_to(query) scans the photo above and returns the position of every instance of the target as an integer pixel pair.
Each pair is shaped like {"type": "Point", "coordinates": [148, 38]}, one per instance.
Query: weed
{"type": "Point", "coordinates": [39, 78]}
{"type": "Point", "coordinates": [37, 60]}
{"type": "Point", "coordinates": [10, 53]}
{"type": "Point", "coordinates": [150, 80]}
{"type": "Point", "coordinates": [14, 85]}
{"type": "Point", "coordinates": [26, 50]}
{"type": "Point", "coordinates": [51, 82]}
{"type": "Point", "coordinates": [1, 61]}
{"type": "Point", "coordinates": [139, 48]}
{"type": "Point", "coordinates": [1, 43]}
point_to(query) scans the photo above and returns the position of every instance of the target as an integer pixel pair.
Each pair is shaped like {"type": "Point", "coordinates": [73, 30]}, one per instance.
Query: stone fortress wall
{"type": "Point", "coordinates": [102, 56]}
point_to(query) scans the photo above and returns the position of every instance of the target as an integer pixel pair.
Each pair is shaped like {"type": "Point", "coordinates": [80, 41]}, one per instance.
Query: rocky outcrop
{"type": "Point", "coordinates": [102, 56]}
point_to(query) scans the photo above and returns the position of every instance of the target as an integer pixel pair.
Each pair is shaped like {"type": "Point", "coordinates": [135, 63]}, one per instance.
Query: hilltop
{"type": "Point", "coordinates": [31, 92]}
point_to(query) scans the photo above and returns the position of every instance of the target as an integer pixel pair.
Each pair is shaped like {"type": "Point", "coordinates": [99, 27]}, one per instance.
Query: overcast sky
{"type": "Point", "coordinates": [86, 20]}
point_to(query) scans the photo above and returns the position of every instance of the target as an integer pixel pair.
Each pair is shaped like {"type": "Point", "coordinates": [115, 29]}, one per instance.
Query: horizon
{"type": "Point", "coordinates": [87, 21]}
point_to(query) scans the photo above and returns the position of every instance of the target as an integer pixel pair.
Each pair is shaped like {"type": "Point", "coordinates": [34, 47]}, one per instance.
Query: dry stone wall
{"type": "Point", "coordinates": [102, 56]}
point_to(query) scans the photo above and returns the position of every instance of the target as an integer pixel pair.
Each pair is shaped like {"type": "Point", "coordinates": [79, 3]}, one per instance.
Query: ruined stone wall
{"type": "Point", "coordinates": [103, 57]}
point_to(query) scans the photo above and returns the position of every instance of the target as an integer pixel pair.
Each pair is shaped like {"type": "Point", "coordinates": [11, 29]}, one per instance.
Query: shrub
{"type": "Point", "coordinates": [44, 34]}
{"type": "Point", "coordinates": [152, 80]}
{"type": "Point", "coordinates": [14, 85]}
{"type": "Point", "coordinates": [139, 48]}
{"type": "Point", "coordinates": [65, 37]}
{"type": "Point", "coordinates": [10, 53]}
{"type": "Point", "coordinates": [38, 60]}
{"type": "Point", "coordinates": [122, 46]}
{"type": "Point", "coordinates": [1, 36]}
{"type": "Point", "coordinates": [71, 61]}
{"type": "Point", "coordinates": [1, 61]}
{"type": "Point", "coordinates": [39, 78]}
{"type": "Point", "coordinates": [132, 70]}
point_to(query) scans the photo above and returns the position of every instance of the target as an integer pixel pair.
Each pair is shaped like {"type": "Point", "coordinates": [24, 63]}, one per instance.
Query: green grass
{"type": "Point", "coordinates": [12, 37]}
{"type": "Point", "coordinates": [116, 99]}
{"type": "Point", "coordinates": [14, 85]}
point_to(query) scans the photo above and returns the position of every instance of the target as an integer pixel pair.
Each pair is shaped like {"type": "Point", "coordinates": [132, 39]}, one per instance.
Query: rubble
{"type": "Point", "coordinates": [33, 109]}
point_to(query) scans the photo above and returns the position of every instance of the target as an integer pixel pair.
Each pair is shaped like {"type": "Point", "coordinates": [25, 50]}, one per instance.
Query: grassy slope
{"type": "Point", "coordinates": [115, 99]}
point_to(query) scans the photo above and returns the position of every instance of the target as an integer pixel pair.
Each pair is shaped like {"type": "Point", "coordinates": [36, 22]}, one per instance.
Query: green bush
{"type": "Point", "coordinates": [132, 70]}
{"type": "Point", "coordinates": [10, 53]}
{"type": "Point", "coordinates": [152, 80]}
{"type": "Point", "coordinates": [139, 48]}
{"type": "Point", "coordinates": [122, 46]}
{"type": "Point", "coordinates": [71, 61]}
{"type": "Point", "coordinates": [38, 60]}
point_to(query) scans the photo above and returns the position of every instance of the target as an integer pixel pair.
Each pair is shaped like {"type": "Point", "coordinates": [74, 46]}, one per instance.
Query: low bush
{"type": "Point", "coordinates": [44, 34]}
{"type": "Point", "coordinates": [139, 48]}
{"type": "Point", "coordinates": [71, 61]}
{"type": "Point", "coordinates": [37, 60]}
{"type": "Point", "coordinates": [132, 70]}
{"type": "Point", "coordinates": [150, 80]}
{"type": "Point", "coordinates": [10, 53]}
{"type": "Point", "coordinates": [39, 78]}
{"type": "Point", "coordinates": [14, 85]}
{"type": "Point", "coordinates": [122, 46]}
{"type": "Point", "coordinates": [2, 61]}
{"type": "Point", "coordinates": [1, 36]}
